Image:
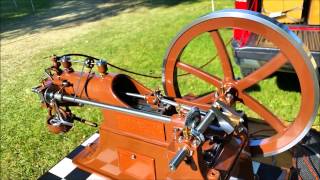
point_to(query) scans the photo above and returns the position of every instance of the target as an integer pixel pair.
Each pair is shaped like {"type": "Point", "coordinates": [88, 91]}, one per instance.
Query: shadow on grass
{"type": "Point", "coordinates": [288, 82]}
{"type": "Point", "coordinates": [68, 13]}
{"type": "Point", "coordinates": [285, 81]}
{"type": "Point", "coordinates": [253, 88]}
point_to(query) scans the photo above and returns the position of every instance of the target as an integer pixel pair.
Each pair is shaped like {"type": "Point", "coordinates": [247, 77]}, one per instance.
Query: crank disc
{"type": "Point", "coordinates": [291, 50]}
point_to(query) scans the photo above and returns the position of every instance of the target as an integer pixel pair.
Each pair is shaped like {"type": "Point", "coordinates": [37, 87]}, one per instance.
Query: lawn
{"type": "Point", "coordinates": [135, 38]}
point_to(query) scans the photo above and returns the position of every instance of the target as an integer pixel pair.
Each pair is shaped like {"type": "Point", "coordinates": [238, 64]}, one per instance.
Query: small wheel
{"type": "Point", "coordinates": [291, 50]}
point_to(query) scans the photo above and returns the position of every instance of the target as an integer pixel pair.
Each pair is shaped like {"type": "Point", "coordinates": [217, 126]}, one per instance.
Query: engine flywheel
{"type": "Point", "coordinates": [291, 51]}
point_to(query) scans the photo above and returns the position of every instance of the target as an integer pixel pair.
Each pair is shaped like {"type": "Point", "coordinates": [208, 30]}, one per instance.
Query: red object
{"type": "Point", "coordinates": [240, 35]}
{"type": "Point", "coordinates": [304, 28]}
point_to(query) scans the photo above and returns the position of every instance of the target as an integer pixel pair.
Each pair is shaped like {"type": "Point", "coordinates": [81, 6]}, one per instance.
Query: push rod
{"type": "Point", "coordinates": [60, 97]}
{"type": "Point", "coordinates": [165, 101]}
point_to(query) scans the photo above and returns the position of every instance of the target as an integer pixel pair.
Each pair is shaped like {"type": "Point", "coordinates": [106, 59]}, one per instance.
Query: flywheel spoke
{"type": "Point", "coordinates": [223, 55]}
{"type": "Point", "coordinates": [200, 74]}
{"type": "Point", "coordinates": [263, 112]}
{"type": "Point", "coordinates": [290, 50]}
{"type": "Point", "coordinates": [266, 70]}
{"type": "Point", "coordinates": [204, 99]}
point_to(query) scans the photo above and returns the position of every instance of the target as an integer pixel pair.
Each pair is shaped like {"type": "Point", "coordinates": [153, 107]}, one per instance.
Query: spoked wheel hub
{"type": "Point", "coordinates": [226, 93]}
{"type": "Point", "coordinates": [232, 90]}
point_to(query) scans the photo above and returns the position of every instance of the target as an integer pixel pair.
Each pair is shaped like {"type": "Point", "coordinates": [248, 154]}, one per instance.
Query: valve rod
{"type": "Point", "coordinates": [152, 116]}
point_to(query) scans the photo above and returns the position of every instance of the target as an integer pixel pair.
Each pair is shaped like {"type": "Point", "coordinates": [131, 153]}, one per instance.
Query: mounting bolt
{"type": "Point", "coordinates": [213, 174]}
{"type": "Point", "coordinates": [195, 143]}
{"type": "Point", "coordinates": [133, 157]}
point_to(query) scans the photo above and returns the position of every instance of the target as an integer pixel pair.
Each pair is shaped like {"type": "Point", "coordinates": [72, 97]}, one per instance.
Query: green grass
{"type": "Point", "coordinates": [136, 40]}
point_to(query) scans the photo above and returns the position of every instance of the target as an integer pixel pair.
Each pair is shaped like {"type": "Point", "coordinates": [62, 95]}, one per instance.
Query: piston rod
{"type": "Point", "coordinates": [152, 116]}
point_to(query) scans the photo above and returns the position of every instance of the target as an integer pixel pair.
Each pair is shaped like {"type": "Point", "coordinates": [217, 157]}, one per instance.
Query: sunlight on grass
{"type": "Point", "coordinates": [198, 52]}
{"type": "Point", "coordinates": [136, 40]}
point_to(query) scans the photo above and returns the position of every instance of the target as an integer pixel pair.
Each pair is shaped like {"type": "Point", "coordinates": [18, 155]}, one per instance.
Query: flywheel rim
{"type": "Point", "coordinates": [302, 62]}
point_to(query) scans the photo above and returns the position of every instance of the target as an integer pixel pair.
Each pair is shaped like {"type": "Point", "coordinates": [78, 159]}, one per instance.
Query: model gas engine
{"type": "Point", "coordinates": [147, 134]}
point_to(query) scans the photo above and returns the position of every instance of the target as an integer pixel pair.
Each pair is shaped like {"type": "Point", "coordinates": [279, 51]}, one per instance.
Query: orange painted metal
{"type": "Point", "coordinates": [133, 147]}
{"type": "Point", "coordinates": [136, 165]}
{"type": "Point", "coordinates": [289, 52]}
{"type": "Point", "coordinates": [105, 158]}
